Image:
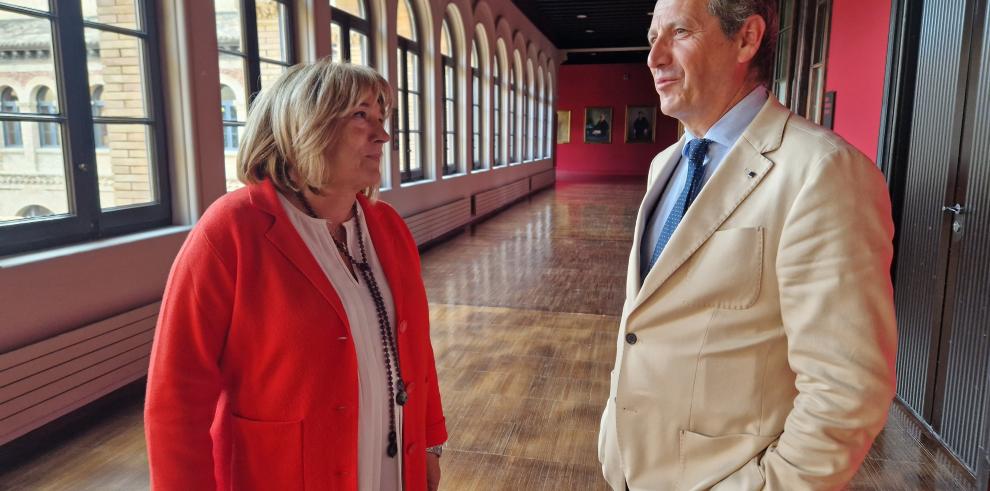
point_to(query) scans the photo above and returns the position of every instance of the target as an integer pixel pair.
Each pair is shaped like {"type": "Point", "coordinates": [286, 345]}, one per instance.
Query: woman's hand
{"type": "Point", "coordinates": [432, 472]}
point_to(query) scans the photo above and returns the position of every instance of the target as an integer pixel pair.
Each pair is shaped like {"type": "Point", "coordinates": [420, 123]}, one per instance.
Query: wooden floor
{"type": "Point", "coordinates": [525, 312]}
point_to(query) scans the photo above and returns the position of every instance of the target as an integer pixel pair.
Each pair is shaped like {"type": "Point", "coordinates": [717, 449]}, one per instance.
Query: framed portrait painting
{"type": "Point", "coordinates": [598, 125]}
{"type": "Point", "coordinates": [563, 126]}
{"type": "Point", "coordinates": [641, 124]}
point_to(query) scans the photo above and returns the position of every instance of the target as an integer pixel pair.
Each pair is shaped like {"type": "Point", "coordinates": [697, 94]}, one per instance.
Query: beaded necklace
{"type": "Point", "coordinates": [396, 391]}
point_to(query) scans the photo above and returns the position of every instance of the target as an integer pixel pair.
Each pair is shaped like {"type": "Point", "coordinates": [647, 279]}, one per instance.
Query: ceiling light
{"type": "Point", "coordinates": [589, 31]}
{"type": "Point", "coordinates": [582, 16]}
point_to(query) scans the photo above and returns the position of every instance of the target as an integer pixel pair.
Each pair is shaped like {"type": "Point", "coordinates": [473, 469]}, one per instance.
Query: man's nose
{"type": "Point", "coordinates": [659, 54]}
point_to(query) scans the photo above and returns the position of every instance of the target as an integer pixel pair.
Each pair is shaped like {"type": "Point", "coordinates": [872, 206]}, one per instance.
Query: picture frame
{"type": "Point", "coordinates": [641, 123]}
{"type": "Point", "coordinates": [563, 127]}
{"type": "Point", "coordinates": [598, 124]}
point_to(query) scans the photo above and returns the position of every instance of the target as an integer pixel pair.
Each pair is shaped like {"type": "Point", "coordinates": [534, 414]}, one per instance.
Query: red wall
{"type": "Point", "coordinates": [857, 61]}
{"type": "Point", "coordinates": [617, 86]}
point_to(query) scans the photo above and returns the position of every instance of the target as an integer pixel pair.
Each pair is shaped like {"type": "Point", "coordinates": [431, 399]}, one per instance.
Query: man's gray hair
{"type": "Point", "coordinates": [731, 15]}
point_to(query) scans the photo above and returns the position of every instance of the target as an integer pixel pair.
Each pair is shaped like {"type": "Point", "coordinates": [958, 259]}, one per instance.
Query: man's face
{"type": "Point", "coordinates": [694, 64]}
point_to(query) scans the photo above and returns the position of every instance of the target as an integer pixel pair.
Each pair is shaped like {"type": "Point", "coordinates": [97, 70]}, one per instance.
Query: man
{"type": "Point", "coordinates": [757, 340]}
{"type": "Point", "coordinates": [641, 127]}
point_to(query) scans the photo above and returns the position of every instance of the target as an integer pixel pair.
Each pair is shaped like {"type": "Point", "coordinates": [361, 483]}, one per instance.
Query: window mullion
{"type": "Point", "coordinates": [249, 27]}
{"type": "Point", "coordinates": [78, 145]}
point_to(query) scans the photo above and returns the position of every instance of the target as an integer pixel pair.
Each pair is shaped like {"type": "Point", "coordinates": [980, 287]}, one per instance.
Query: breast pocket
{"type": "Point", "coordinates": [727, 270]}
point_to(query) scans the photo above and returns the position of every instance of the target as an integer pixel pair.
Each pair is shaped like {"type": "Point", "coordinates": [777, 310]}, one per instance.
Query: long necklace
{"type": "Point", "coordinates": [396, 391]}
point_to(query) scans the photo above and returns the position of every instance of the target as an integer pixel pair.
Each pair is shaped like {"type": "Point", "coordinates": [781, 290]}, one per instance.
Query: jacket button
{"type": "Point", "coordinates": [341, 408]}
{"type": "Point", "coordinates": [631, 338]}
{"type": "Point", "coordinates": [403, 327]}
{"type": "Point", "coordinates": [411, 448]}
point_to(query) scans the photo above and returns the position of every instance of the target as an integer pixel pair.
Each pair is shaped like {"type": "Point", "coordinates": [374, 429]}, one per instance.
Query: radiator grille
{"type": "Point", "coordinates": [430, 224]}
{"type": "Point", "coordinates": [48, 379]}
{"type": "Point", "coordinates": [488, 201]}
{"type": "Point", "coordinates": [542, 180]}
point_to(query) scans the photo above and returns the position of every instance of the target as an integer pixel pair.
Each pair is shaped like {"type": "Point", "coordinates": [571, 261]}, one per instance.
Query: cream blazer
{"type": "Point", "coordinates": [764, 335]}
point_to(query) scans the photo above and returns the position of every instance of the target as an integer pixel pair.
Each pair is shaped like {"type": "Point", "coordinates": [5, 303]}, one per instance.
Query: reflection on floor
{"type": "Point", "coordinates": [525, 309]}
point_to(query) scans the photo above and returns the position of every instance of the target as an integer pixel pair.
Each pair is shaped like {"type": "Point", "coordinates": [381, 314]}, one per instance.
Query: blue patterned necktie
{"type": "Point", "coordinates": [696, 150]}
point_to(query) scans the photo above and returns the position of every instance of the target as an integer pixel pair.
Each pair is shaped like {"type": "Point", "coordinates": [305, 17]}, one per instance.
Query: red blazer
{"type": "Point", "coordinates": [253, 377]}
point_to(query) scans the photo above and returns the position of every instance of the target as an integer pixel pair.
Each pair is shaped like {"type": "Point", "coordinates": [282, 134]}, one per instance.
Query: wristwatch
{"type": "Point", "coordinates": [435, 450]}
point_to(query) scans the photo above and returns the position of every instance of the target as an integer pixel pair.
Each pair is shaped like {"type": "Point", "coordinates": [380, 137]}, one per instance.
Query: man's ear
{"type": "Point", "coordinates": [749, 38]}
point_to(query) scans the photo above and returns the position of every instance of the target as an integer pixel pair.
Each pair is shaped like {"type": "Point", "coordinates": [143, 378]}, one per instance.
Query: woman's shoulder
{"type": "Point", "coordinates": [382, 210]}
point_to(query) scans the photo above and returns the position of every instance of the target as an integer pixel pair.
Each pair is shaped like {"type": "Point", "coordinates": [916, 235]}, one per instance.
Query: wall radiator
{"type": "Point", "coordinates": [430, 224]}
{"type": "Point", "coordinates": [48, 379]}
{"type": "Point", "coordinates": [488, 201]}
{"type": "Point", "coordinates": [542, 180]}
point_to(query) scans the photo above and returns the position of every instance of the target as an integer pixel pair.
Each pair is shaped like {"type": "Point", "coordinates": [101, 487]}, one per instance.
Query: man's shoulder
{"type": "Point", "coordinates": [813, 142]}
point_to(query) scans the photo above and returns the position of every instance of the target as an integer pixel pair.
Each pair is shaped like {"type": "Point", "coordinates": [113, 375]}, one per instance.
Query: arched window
{"type": "Point", "coordinates": [513, 156]}
{"type": "Point", "coordinates": [476, 108]}
{"type": "Point", "coordinates": [48, 136]}
{"type": "Point", "coordinates": [447, 56]}
{"type": "Point", "coordinates": [547, 149]}
{"type": "Point", "coordinates": [349, 30]}
{"type": "Point", "coordinates": [527, 120]}
{"type": "Point", "coordinates": [410, 88]}
{"type": "Point", "coordinates": [97, 105]}
{"type": "Point", "coordinates": [11, 129]}
{"type": "Point", "coordinates": [526, 79]}
{"type": "Point", "coordinates": [541, 110]}
{"type": "Point", "coordinates": [497, 112]}
{"type": "Point", "coordinates": [228, 113]}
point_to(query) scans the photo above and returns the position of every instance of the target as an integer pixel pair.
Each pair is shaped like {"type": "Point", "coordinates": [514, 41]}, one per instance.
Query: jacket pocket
{"type": "Point", "coordinates": [727, 271]}
{"type": "Point", "coordinates": [728, 462]}
{"type": "Point", "coordinates": [267, 455]}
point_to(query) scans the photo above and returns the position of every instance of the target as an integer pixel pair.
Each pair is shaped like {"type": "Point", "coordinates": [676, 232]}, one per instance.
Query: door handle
{"type": "Point", "coordinates": [955, 209]}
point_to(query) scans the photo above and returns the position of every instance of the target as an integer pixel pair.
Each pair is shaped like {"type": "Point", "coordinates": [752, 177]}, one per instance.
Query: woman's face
{"type": "Point", "coordinates": [355, 160]}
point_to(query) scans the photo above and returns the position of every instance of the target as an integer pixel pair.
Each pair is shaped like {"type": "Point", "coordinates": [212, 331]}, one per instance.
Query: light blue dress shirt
{"type": "Point", "coordinates": [723, 135]}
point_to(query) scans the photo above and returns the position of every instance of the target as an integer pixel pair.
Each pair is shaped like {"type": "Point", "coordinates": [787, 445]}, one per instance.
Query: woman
{"type": "Point", "coordinates": [293, 348]}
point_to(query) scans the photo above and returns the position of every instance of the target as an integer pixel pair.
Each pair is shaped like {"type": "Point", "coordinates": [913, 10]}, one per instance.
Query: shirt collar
{"type": "Point", "coordinates": [730, 127]}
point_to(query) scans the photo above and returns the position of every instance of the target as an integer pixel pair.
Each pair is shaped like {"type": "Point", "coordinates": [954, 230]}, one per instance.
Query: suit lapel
{"type": "Point", "coordinates": [740, 172]}
{"type": "Point", "coordinates": [286, 239]}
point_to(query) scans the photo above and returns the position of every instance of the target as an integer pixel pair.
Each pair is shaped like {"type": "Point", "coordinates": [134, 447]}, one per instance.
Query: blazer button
{"type": "Point", "coordinates": [630, 338]}
{"type": "Point", "coordinates": [411, 448]}
{"type": "Point", "coordinates": [403, 326]}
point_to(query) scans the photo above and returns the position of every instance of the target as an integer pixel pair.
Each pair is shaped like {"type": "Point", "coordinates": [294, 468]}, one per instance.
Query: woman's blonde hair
{"type": "Point", "coordinates": [292, 122]}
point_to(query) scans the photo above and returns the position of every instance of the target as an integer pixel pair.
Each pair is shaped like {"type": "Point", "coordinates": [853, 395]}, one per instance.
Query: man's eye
{"type": "Point", "coordinates": [680, 31]}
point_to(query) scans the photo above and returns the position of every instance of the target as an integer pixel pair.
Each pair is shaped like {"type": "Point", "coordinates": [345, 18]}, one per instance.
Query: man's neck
{"type": "Point", "coordinates": [699, 128]}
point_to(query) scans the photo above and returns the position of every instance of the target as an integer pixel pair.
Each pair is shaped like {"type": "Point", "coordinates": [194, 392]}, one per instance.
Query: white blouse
{"type": "Point", "coordinates": [376, 470]}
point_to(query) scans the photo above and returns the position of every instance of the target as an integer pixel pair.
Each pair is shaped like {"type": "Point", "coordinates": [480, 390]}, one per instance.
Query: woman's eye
{"type": "Point", "coordinates": [361, 114]}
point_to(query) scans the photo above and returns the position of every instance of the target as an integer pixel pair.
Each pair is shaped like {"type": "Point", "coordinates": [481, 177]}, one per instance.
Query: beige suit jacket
{"type": "Point", "coordinates": [765, 333]}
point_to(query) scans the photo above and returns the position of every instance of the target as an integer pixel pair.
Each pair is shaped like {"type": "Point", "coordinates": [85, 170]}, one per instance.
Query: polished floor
{"type": "Point", "coordinates": [524, 309]}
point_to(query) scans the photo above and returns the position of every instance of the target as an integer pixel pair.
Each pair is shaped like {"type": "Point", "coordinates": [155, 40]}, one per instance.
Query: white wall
{"type": "Point", "coordinates": [50, 292]}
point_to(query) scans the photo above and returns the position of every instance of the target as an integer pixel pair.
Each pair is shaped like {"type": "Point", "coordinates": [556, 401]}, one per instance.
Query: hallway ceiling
{"type": "Point", "coordinates": [618, 27]}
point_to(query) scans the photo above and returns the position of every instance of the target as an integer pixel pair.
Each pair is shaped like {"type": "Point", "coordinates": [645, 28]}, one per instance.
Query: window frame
{"type": "Point", "coordinates": [349, 22]}
{"type": "Point", "coordinates": [513, 102]}
{"type": "Point", "coordinates": [499, 130]}
{"type": "Point", "coordinates": [251, 55]}
{"type": "Point", "coordinates": [477, 104]}
{"type": "Point", "coordinates": [448, 63]}
{"type": "Point", "coordinates": [405, 48]}
{"type": "Point", "coordinates": [85, 219]}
